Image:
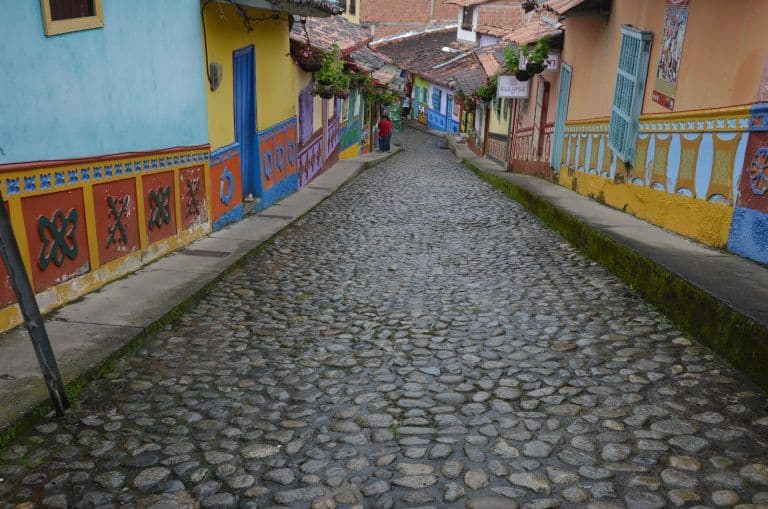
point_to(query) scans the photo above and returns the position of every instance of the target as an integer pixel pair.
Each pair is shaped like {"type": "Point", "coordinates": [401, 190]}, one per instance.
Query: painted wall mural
{"type": "Point", "coordinates": [685, 174]}
{"type": "Point", "coordinates": [278, 151]}
{"type": "Point", "coordinates": [524, 156]}
{"type": "Point", "coordinates": [749, 227]}
{"type": "Point", "coordinates": [436, 120]}
{"type": "Point", "coordinates": [310, 159]}
{"type": "Point", "coordinates": [226, 186]}
{"type": "Point", "coordinates": [81, 223]}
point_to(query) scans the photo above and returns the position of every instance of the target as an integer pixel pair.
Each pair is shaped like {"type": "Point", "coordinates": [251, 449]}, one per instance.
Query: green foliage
{"type": "Point", "coordinates": [331, 76]}
{"type": "Point", "coordinates": [512, 58]}
{"type": "Point", "coordinates": [361, 81]}
{"type": "Point", "coordinates": [488, 91]}
{"type": "Point", "coordinates": [383, 97]}
{"type": "Point", "coordinates": [538, 53]}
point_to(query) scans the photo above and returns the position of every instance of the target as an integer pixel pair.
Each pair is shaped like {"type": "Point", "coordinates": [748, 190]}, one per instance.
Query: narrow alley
{"type": "Point", "coordinates": [417, 340]}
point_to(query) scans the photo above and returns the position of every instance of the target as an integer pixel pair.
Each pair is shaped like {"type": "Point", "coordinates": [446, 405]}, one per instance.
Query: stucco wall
{"type": "Point", "coordinates": [721, 64]}
{"type": "Point", "coordinates": [274, 69]}
{"type": "Point", "coordinates": [135, 84]}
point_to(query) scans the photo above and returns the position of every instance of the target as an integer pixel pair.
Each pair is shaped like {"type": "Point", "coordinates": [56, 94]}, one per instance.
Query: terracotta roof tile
{"type": "Point", "coordinates": [539, 27]}
{"type": "Point", "coordinates": [493, 31]}
{"type": "Point", "coordinates": [323, 32]}
{"type": "Point", "coordinates": [324, 6]}
{"type": "Point", "coordinates": [563, 6]}
{"type": "Point", "coordinates": [465, 72]}
{"type": "Point", "coordinates": [466, 3]}
{"type": "Point", "coordinates": [422, 52]}
{"type": "Point", "coordinates": [369, 60]}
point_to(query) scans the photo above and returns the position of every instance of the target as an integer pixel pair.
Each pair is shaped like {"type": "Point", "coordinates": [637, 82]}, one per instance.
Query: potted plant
{"type": "Point", "coordinates": [522, 75]}
{"type": "Point", "coordinates": [308, 59]}
{"type": "Point", "coordinates": [512, 58]}
{"type": "Point", "coordinates": [330, 79]}
{"type": "Point", "coordinates": [537, 56]}
{"type": "Point", "coordinates": [488, 91]}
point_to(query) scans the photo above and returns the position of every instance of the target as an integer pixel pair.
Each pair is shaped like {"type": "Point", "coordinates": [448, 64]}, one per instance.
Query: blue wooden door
{"type": "Point", "coordinates": [558, 136]}
{"type": "Point", "coordinates": [245, 118]}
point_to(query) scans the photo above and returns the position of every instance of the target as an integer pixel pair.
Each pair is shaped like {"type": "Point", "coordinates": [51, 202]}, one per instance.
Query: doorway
{"type": "Point", "coordinates": [245, 118]}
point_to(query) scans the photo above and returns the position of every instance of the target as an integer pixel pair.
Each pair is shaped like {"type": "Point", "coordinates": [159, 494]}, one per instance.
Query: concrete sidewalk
{"type": "Point", "coordinates": [720, 298]}
{"type": "Point", "coordinates": [87, 333]}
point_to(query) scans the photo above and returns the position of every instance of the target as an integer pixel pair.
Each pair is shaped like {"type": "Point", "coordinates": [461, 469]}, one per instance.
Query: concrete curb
{"type": "Point", "coordinates": [730, 333]}
{"type": "Point", "coordinates": [74, 386]}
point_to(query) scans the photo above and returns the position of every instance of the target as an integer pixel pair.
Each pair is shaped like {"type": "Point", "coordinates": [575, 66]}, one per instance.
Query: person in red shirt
{"type": "Point", "coordinates": [385, 133]}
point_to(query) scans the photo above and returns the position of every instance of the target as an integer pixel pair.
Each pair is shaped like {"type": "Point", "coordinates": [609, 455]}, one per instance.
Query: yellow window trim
{"type": "Point", "coordinates": [71, 25]}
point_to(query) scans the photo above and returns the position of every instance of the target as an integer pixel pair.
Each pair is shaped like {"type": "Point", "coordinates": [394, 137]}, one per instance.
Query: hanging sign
{"type": "Point", "coordinates": [675, 22]}
{"type": "Point", "coordinates": [510, 87]}
{"type": "Point", "coordinates": [552, 63]}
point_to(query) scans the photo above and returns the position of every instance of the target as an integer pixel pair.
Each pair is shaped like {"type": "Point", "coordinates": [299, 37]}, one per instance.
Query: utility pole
{"type": "Point", "coordinates": [9, 249]}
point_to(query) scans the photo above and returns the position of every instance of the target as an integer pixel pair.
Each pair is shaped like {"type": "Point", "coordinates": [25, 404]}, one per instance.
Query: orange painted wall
{"type": "Point", "coordinates": [722, 62]}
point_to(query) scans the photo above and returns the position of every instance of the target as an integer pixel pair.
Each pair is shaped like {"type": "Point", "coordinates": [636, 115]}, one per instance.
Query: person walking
{"type": "Point", "coordinates": [407, 108]}
{"type": "Point", "coordinates": [385, 133]}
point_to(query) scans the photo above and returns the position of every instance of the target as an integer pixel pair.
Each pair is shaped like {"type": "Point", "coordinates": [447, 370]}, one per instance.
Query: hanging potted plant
{"type": "Point", "coordinates": [536, 57]}
{"type": "Point", "coordinates": [488, 91]}
{"type": "Point", "coordinates": [512, 58]}
{"type": "Point", "coordinates": [330, 80]}
{"type": "Point", "coordinates": [308, 59]}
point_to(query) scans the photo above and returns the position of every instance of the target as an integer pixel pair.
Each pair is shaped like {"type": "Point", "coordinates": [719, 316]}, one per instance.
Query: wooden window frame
{"type": "Point", "coordinates": [64, 26]}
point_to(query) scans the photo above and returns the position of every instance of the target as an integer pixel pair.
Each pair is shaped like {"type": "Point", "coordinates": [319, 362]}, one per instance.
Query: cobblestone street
{"type": "Point", "coordinates": [419, 339]}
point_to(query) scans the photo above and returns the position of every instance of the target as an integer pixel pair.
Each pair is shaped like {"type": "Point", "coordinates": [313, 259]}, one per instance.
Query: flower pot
{"type": "Point", "coordinates": [522, 75]}
{"type": "Point", "coordinates": [534, 68]}
{"type": "Point", "coordinates": [326, 94]}
{"type": "Point", "coordinates": [325, 91]}
{"type": "Point", "coordinates": [310, 66]}
{"type": "Point", "coordinates": [343, 94]}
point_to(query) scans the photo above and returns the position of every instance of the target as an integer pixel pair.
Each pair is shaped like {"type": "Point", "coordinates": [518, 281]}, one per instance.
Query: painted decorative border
{"type": "Point", "coordinates": [224, 154]}
{"type": "Point", "coordinates": [36, 178]}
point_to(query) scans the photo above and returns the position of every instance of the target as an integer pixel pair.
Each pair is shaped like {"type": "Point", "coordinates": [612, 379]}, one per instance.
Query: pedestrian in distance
{"type": "Point", "coordinates": [385, 133]}
{"type": "Point", "coordinates": [406, 107]}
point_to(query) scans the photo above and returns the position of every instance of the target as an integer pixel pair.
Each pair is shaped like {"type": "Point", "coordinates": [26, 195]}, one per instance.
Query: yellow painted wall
{"type": "Point", "coordinates": [708, 223]}
{"type": "Point", "coordinates": [499, 124]}
{"type": "Point", "coordinates": [274, 69]}
{"type": "Point", "coordinates": [722, 60]}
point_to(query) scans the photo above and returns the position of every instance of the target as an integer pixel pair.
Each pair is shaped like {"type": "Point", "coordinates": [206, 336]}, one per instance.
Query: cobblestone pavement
{"type": "Point", "coordinates": [417, 340]}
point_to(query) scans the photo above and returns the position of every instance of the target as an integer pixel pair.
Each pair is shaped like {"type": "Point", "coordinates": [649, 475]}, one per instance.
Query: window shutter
{"type": "Point", "coordinates": [628, 94]}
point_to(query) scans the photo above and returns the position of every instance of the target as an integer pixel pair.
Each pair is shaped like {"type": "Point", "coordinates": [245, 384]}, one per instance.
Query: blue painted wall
{"type": "Point", "coordinates": [436, 120]}
{"type": "Point", "coordinates": [136, 84]}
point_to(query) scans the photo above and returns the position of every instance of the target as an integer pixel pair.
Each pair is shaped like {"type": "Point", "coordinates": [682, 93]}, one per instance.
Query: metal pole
{"type": "Point", "coordinates": [9, 249]}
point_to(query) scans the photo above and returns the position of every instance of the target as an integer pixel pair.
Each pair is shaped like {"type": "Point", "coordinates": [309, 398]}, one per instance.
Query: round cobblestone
{"type": "Point", "coordinates": [417, 339]}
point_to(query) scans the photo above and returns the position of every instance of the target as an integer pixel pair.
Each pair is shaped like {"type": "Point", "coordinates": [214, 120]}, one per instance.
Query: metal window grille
{"type": "Point", "coordinates": [628, 94]}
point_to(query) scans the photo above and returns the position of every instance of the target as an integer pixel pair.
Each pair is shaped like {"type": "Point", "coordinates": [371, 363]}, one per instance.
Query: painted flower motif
{"type": "Point", "coordinates": [758, 172]}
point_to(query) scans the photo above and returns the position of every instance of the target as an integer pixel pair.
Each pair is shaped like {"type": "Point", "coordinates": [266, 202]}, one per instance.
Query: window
{"type": "Point", "coordinates": [62, 16]}
{"type": "Point", "coordinates": [466, 18]}
{"type": "Point", "coordinates": [424, 94]}
{"type": "Point", "coordinates": [437, 96]}
{"type": "Point", "coordinates": [497, 108]}
{"type": "Point", "coordinates": [352, 6]}
{"type": "Point", "coordinates": [628, 94]}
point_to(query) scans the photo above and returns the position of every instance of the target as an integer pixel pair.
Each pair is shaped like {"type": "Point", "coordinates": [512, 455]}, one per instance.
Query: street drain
{"type": "Point", "coordinates": [205, 253]}
{"type": "Point", "coordinates": [269, 216]}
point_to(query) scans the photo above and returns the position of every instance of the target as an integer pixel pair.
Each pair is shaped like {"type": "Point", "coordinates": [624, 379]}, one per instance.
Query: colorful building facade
{"type": "Point", "coordinates": [252, 129]}
{"type": "Point", "coordinates": [101, 174]}
{"type": "Point", "coordinates": [684, 148]}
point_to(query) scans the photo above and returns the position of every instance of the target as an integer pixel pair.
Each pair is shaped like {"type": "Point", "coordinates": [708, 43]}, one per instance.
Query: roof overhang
{"type": "Point", "coordinates": [309, 8]}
